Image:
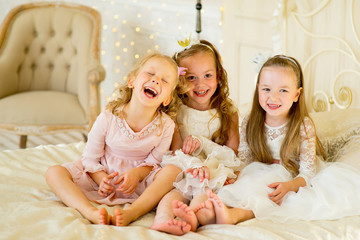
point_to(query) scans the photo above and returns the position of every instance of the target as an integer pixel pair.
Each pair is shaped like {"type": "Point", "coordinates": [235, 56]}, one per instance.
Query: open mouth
{"type": "Point", "coordinates": [201, 93]}
{"type": "Point", "coordinates": [150, 92]}
{"type": "Point", "coordinates": [273, 106]}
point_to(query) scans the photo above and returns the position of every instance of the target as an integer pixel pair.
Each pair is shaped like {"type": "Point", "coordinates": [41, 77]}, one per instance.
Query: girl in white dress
{"type": "Point", "coordinates": [207, 139]}
{"type": "Point", "coordinates": [279, 141]}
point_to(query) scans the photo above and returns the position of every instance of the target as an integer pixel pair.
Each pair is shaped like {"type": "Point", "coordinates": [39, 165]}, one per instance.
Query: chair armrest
{"type": "Point", "coordinates": [8, 78]}
{"type": "Point", "coordinates": [96, 76]}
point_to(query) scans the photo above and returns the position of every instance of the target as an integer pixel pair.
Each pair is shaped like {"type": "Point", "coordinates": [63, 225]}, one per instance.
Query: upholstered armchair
{"type": "Point", "coordinates": [50, 69]}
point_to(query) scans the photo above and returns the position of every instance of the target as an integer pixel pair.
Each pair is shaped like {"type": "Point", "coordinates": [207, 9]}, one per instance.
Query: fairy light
{"type": "Point", "coordinates": [122, 43]}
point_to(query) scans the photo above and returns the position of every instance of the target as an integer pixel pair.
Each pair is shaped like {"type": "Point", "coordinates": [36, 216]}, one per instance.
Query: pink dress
{"type": "Point", "coordinates": [113, 146]}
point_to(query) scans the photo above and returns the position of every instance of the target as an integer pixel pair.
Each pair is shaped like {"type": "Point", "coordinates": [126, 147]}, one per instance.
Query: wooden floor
{"type": "Point", "coordinates": [11, 141]}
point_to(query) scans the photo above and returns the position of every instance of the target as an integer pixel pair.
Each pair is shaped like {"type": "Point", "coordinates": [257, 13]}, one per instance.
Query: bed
{"type": "Point", "coordinates": [30, 210]}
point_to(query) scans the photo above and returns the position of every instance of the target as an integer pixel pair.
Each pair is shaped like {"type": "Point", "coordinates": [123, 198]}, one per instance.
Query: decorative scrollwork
{"type": "Point", "coordinates": [320, 102]}
{"type": "Point", "coordinates": [343, 98]}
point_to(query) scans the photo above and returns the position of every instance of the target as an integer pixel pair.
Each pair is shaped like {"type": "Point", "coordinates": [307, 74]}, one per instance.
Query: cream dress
{"type": "Point", "coordinates": [221, 160]}
{"type": "Point", "coordinates": [332, 192]}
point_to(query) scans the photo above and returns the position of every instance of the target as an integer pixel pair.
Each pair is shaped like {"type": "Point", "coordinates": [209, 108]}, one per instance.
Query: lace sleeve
{"type": "Point", "coordinates": [307, 151]}
{"type": "Point", "coordinates": [244, 151]}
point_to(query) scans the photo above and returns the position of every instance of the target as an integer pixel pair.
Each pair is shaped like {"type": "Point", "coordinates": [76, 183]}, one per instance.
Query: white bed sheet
{"type": "Point", "coordinates": [30, 210]}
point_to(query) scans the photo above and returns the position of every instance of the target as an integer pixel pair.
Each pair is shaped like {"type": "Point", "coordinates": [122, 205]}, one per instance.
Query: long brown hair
{"type": "Point", "coordinates": [220, 99]}
{"type": "Point", "coordinates": [125, 92]}
{"type": "Point", "coordinates": [290, 148]}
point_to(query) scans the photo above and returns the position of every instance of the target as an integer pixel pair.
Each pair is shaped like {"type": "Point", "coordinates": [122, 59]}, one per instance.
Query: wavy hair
{"type": "Point", "coordinates": [220, 99]}
{"type": "Point", "coordinates": [125, 92]}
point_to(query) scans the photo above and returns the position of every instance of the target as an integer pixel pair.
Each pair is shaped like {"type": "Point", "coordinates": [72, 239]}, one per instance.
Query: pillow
{"type": "Point", "coordinates": [335, 128]}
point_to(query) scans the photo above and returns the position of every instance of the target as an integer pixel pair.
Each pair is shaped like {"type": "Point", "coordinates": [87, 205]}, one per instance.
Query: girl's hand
{"type": "Point", "coordinates": [105, 187]}
{"type": "Point", "coordinates": [203, 173]}
{"type": "Point", "coordinates": [229, 181]}
{"type": "Point", "coordinates": [129, 181]}
{"type": "Point", "coordinates": [281, 189]}
{"type": "Point", "coordinates": [232, 180]}
{"type": "Point", "coordinates": [190, 144]}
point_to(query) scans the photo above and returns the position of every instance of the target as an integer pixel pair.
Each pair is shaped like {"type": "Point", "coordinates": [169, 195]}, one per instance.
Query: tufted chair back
{"type": "Point", "coordinates": [49, 68]}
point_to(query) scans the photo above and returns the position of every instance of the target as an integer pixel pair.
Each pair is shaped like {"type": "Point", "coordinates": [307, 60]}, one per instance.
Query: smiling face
{"type": "Point", "coordinates": [277, 91]}
{"type": "Point", "coordinates": [201, 79]}
{"type": "Point", "coordinates": [154, 83]}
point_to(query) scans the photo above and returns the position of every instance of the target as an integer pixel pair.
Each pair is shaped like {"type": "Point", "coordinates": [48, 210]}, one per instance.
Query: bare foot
{"type": "Point", "coordinates": [104, 217]}
{"type": "Point", "coordinates": [183, 211]}
{"type": "Point", "coordinates": [122, 217]}
{"type": "Point", "coordinates": [172, 226]}
{"type": "Point", "coordinates": [221, 211]}
{"type": "Point", "coordinates": [205, 213]}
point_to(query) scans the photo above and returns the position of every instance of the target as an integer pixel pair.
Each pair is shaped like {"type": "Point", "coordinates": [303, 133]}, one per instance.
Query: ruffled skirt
{"type": "Point", "coordinates": [333, 193]}
{"type": "Point", "coordinates": [220, 162]}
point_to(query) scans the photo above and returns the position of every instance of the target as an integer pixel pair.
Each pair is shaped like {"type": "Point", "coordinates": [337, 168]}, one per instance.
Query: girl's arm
{"type": "Point", "coordinates": [307, 164]}
{"type": "Point", "coordinates": [244, 152]}
{"type": "Point", "coordinates": [234, 138]}
{"type": "Point", "coordinates": [176, 142]}
{"type": "Point", "coordinates": [282, 188]}
{"type": "Point", "coordinates": [307, 158]}
{"type": "Point", "coordinates": [95, 146]}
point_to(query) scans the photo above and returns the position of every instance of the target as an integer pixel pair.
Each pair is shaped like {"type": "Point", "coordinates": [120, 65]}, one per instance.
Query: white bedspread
{"type": "Point", "coordinates": [30, 210]}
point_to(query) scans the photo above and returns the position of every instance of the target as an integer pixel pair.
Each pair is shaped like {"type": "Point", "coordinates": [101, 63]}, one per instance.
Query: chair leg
{"type": "Point", "coordinates": [23, 139]}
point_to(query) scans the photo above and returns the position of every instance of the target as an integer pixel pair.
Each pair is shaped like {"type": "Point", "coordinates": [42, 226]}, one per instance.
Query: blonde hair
{"type": "Point", "coordinates": [290, 148]}
{"type": "Point", "coordinates": [220, 99]}
{"type": "Point", "coordinates": [125, 92]}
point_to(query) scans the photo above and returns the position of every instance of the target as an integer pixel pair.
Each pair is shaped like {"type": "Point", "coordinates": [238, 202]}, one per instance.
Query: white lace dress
{"type": "Point", "coordinates": [221, 160]}
{"type": "Point", "coordinates": [332, 193]}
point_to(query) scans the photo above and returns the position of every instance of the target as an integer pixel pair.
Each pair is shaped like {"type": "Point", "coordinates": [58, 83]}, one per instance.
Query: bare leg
{"type": "Point", "coordinates": [205, 213]}
{"type": "Point", "coordinates": [162, 184]}
{"type": "Point", "coordinates": [60, 181]}
{"type": "Point", "coordinates": [164, 220]}
{"type": "Point", "coordinates": [225, 215]}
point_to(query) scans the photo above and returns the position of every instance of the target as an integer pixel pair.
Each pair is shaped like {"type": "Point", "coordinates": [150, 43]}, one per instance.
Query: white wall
{"type": "Point", "coordinates": [131, 28]}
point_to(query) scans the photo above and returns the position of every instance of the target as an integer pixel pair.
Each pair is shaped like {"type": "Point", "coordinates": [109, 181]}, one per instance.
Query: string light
{"type": "Point", "coordinates": [123, 45]}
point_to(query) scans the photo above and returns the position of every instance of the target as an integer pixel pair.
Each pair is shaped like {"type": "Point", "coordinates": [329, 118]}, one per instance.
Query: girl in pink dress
{"type": "Point", "coordinates": [121, 160]}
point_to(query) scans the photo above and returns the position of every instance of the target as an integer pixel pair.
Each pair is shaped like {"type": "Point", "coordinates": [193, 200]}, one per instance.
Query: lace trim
{"type": "Point", "coordinates": [273, 133]}
{"type": "Point", "coordinates": [136, 135]}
